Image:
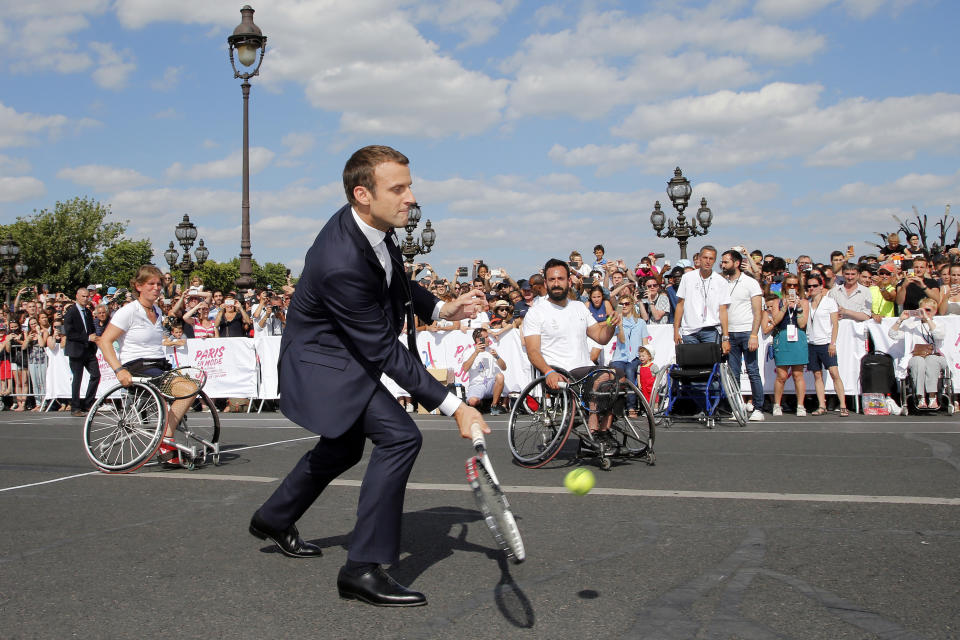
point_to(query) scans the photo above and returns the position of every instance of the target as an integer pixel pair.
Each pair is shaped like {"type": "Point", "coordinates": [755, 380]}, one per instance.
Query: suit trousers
{"type": "Point", "coordinates": [77, 365]}
{"type": "Point", "coordinates": [397, 441]}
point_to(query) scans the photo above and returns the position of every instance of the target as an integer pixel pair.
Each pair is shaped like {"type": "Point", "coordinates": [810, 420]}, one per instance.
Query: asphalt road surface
{"type": "Point", "coordinates": [791, 528]}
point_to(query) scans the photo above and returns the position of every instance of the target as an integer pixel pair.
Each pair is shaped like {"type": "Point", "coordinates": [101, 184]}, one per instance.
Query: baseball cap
{"type": "Point", "coordinates": [676, 272]}
{"type": "Point", "coordinates": [524, 285]}
{"type": "Point", "coordinates": [684, 262]}
{"type": "Point", "coordinates": [111, 291]}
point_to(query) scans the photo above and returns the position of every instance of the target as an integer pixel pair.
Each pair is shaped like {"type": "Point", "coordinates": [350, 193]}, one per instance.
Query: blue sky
{"type": "Point", "coordinates": [533, 128]}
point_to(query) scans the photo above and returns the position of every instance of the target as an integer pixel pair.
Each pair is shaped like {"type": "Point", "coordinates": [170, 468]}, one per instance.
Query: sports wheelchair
{"type": "Point", "coordinates": [124, 427]}
{"type": "Point", "coordinates": [702, 376]}
{"type": "Point", "coordinates": [909, 396]}
{"type": "Point", "coordinates": [542, 419]}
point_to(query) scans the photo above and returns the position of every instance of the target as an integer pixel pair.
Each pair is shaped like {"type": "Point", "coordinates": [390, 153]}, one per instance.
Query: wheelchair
{"type": "Point", "coordinates": [124, 427]}
{"type": "Point", "coordinates": [908, 396]}
{"type": "Point", "coordinates": [701, 376]}
{"type": "Point", "coordinates": [542, 419]}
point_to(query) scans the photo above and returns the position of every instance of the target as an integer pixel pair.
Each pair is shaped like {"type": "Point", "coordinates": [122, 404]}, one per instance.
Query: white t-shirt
{"type": "Point", "coordinates": [562, 331]}
{"type": "Point", "coordinates": [819, 327]}
{"type": "Point", "coordinates": [740, 312]}
{"type": "Point", "coordinates": [140, 339]}
{"type": "Point", "coordinates": [702, 300]}
{"type": "Point", "coordinates": [478, 322]}
{"type": "Point", "coordinates": [484, 367]}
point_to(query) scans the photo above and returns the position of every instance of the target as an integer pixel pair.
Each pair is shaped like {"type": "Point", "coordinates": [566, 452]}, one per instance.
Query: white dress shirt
{"type": "Point", "coordinates": [377, 240]}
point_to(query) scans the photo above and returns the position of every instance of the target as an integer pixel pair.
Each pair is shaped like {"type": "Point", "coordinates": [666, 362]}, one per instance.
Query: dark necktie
{"type": "Point", "coordinates": [400, 272]}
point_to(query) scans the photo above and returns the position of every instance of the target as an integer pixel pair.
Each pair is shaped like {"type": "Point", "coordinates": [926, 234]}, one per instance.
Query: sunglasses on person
{"type": "Point", "coordinates": [791, 286]}
{"type": "Point", "coordinates": [813, 284]}
{"type": "Point", "coordinates": [653, 286]}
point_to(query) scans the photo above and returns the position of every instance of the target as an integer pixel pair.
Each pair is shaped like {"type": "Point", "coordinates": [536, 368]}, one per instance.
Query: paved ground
{"type": "Point", "coordinates": [812, 528]}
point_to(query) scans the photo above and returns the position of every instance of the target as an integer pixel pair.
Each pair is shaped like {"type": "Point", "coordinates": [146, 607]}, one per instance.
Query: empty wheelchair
{"type": "Point", "coordinates": [542, 420]}
{"type": "Point", "coordinates": [125, 426]}
{"type": "Point", "coordinates": [700, 378]}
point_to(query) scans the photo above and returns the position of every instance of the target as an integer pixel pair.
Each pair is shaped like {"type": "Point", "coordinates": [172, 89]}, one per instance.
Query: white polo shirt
{"type": "Point", "coordinates": [702, 299]}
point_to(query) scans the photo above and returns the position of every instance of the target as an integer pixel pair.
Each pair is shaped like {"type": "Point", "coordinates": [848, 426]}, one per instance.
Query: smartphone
{"type": "Point", "coordinates": [850, 250]}
{"type": "Point", "coordinates": [462, 272]}
{"type": "Point", "coordinates": [496, 273]}
{"type": "Point", "coordinates": [916, 313]}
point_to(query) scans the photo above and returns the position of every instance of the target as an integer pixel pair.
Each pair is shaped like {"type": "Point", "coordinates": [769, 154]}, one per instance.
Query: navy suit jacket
{"type": "Point", "coordinates": [342, 332]}
{"type": "Point", "coordinates": [78, 340]}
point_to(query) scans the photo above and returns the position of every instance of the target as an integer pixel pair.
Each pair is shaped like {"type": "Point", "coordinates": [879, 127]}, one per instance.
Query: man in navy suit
{"type": "Point", "coordinates": [342, 326]}
{"type": "Point", "coordinates": [81, 350]}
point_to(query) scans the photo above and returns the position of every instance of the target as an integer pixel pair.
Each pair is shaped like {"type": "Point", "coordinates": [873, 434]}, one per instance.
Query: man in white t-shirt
{"type": "Point", "coordinates": [484, 368]}
{"type": "Point", "coordinates": [743, 323]}
{"type": "Point", "coordinates": [555, 333]}
{"type": "Point", "coordinates": [702, 300]}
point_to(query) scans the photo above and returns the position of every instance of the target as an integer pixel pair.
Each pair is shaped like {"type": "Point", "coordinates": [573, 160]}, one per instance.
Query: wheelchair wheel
{"type": "Point", "coordinates": [199, 430]}
{"type": "Point", "coordinates": [660, 395]}
{"type": "Point", "coordinates": [731, 390]}
{"type": "Point", "coordinates": [635, 436]}
{"type": "Point", "coordinates": [124, 427]}
{"type": "Point", "coordinates": [540, 423]}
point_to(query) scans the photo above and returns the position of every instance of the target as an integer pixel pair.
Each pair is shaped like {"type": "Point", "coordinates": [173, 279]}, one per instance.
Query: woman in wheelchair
{"type": "Point", "coordinates": [923, 337]}
{"type": "Point", "coordinates": [138, 329]}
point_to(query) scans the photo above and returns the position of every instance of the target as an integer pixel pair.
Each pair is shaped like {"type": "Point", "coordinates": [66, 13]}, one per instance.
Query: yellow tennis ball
{"type": "Point", "coordinates": [579, 481]}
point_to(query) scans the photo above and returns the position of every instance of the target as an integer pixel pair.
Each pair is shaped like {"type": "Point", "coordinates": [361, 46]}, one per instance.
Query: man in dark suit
{"type": "Point", "coordinates": [81, 349]}
{"type": "Point", "coordinates": [350, 305]}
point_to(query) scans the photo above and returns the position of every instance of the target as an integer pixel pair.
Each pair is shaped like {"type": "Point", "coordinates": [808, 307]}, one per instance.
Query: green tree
{"type": "Point", "coordinates": [223, 275]}
{"type": "Point", "coordinates": [63, 246]}
{"type": "Point", "coordinates": [119, 263]}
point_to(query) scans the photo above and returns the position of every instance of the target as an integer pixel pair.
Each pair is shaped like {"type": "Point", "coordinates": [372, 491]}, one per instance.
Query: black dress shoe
{"type": "Point", "coordinates": [377, 588]}
{"type": "Point", "coordinates": [77, 413]}
{"type": "Point", "coordinates": [288, 540]}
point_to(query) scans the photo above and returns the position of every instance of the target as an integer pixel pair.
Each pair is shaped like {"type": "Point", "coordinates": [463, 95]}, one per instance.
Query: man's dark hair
{"type": "Point", "coordinates": [600, 247]}
{"type": "Point", "coordinates": [849, 266]}
{"type": "Point", "coordinates": [477, 333]}
{"type": "Point", "coordinates": [778, 264]}
{"type": "Point", "coordinates": [554, 262]}
{"type": "Point", "coordinates": [834, 254]}
{"type": "Point", "coordinates": [734, 255]}
{"type": "Point", "coordinates": [538, 279]}
{"type": "Point", "coordinates": [756, 252]}
{"type": "Point", "coordinates": [358, 172]}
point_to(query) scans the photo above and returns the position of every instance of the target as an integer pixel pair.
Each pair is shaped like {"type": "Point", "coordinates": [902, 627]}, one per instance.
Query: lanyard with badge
{"type": "Point", "coordinates": [793, 332]}
{"type": "Point", "coordinates": [703, 287]}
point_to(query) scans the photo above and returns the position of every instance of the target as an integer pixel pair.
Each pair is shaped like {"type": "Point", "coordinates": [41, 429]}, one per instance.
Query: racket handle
{"type": "Point", "coordinates": [562, 384]}
{"type": "Point", "coordinates": [477, 434]}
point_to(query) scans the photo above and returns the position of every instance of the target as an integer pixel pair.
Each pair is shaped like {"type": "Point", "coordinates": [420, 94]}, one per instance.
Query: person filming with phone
{"type": "Point", "coordinates": [923, 338]}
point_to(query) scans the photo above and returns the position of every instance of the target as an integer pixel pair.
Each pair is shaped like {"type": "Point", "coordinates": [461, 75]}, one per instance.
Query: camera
{"type": "Point", "coordinates": [658, 256]}
{"type": "Point", "coordinates": [462, 272]}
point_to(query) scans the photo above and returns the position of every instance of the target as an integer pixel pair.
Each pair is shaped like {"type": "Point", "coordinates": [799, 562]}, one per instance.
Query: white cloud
{"type": "Point", "coordinates": [795, 9]}
{"type": "Point", "coordinates": [728, 129]}
{"type": "Point", "coordinates": [113, 67]}
{"type": "Point", "coordinates": [45, 42]}
{"type": "Point", "coordinates": [15, 189]}
{"type": "Point", "coordinates": [18, 129]}
{"type": "Point", "coordinates": [170, 113]}
{"type": "Point", "coordinates": [478, 20]}
{"type": "Point", "coordinates": [13, 166]}
{"type": "Point", "coordinates": [915, 188]}
{"type": "Point", "coordinates": [421, 93]}
{"type": "Point", "coordinates": [169, 80]}
{"type": "Point", "coordinates": [210, 144]}
{"type": "Point", "coordinates": [298, 143]}
{"type": "Point", "coordinates": [103, 178]}
{"type": "Point", "coordinates": [228, 167]}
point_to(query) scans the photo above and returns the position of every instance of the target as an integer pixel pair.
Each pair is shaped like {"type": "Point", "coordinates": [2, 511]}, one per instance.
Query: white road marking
{"type": "Point", "coordinates": [181, 475]}
{"type": "Point", "coordinates": [711, 495]}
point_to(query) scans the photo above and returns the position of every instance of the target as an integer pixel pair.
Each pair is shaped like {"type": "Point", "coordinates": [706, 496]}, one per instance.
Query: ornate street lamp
{"type": "Point", "coordinates": [410, 247]}
{"type": "Point", "coordinates": [12, 269]}
{"type": "Point", "coordinates": [186, 233]}
{"type": "Point", "coordinates": [246, 39]}
{"type": "Point", "coordinates": [679, 190]}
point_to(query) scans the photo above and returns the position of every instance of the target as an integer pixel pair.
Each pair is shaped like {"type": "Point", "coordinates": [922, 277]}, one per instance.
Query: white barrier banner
{"type": "Point", "coordinates": [230, 365]}
{"type": "Point", "coordinates": [267, 349]}
{"type": "Point", "coordinates": [449, 350]}
{"type": "Point", "coordinates": [59, 377]}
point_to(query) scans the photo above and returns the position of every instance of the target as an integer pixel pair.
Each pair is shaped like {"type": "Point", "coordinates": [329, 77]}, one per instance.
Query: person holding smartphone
{"type": "Point", "coordinates": [788, 318]}
{"type": "Point", "coordinates": [923, 338]}
{"type": "Point", "coordinates": [950, 293]}
{"type": "Point", "coordinates": [485, 369]}
{"type": "Point", "coordinates": [917, 286]}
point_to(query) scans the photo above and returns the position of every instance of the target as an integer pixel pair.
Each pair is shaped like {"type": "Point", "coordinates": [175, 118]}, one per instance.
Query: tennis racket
{"type": "Point", "coordinates": [182, 382]}
{"type": "Point", "coordinates": [491, 501]}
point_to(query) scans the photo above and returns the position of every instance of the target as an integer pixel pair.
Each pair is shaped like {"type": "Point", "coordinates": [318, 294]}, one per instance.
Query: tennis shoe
{"type": "Point", "coordinates": [756, 416]}
{"type": "Point", "coordinates": [777, 410]}
{"type": "Point", "coordinates": [495, 410]}
{"type": "Point", "coordinates": [922, 403]}
{"type": "Point", "coordinates": [801, 412]}
{"type": "Point", "coordinates": [168, 453]}
{"type": "Point", "coordinates": [749, 407]}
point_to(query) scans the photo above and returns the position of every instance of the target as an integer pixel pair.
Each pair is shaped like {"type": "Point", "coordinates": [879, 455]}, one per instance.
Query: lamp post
{"type": "Point", "coordinates": [679, 191]}
{"type": "Point", "coordinates": [246, 39]}
{"type": "Point", "coordinates": [186, 233]}
{"type": "Point", "coordinates": [12, 268]}
{"type": "Point", "coordinates": [410, 247]}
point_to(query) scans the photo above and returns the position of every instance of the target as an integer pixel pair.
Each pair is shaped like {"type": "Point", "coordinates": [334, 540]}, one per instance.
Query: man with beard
{"type": "Point", "coordinates": [555, 335]}
{"type": "Point", "coordinates": [743, 321]}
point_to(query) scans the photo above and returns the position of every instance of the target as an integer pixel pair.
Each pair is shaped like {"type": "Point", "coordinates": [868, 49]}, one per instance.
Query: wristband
{"type": "Point", "coordinates": [118, 369]}
{"type": "Point", "coordinates": [549, 372]}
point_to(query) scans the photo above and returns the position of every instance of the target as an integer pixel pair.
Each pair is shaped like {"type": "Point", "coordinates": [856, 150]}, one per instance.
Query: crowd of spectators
{"type": "Point", "coordinates": [902, 280]}
{"type": "Point", "coordinates": [195, 312]}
